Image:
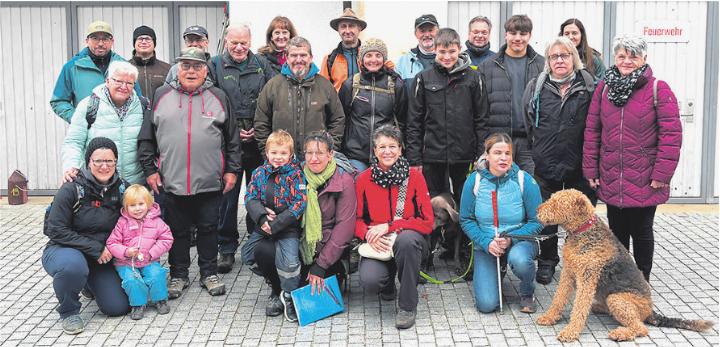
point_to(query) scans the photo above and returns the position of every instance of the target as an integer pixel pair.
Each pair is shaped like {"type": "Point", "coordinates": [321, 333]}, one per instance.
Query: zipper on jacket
{"type": "Point", "coordinates": [189, 141]}
{"type": "Point", "coordinates": [392, 214]}
{"type": "Point", "coordinates": [511, 95]}
{"type": "Point", "coordinates": [372, 117]}
{"type": "Point", "coordinates": [622, 119]}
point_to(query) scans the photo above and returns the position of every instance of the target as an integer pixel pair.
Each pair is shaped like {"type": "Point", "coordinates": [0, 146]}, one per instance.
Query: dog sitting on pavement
{"type": "Point", "coordinates": [599, 267]}
{"type": "Point", "coordinates": [446, 230]}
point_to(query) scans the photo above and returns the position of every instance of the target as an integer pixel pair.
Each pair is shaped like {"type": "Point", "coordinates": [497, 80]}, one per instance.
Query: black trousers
{"type": "Point", "coordinates": [200, 210]}
{"type": "Point", "coordinates": [635, 223]}
{"type": "Point", "coordinates": [440, 177]}
{"type": "Point", "coordinates": [549, 248]}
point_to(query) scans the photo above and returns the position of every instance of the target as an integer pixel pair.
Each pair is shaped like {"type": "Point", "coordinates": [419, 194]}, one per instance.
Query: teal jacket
{"type": "Point", "coordinates": [517, 208]}
{"type": "Point", "coordinates": [77, 79]}
{"type": "Point", "coordinates": [107, 124]}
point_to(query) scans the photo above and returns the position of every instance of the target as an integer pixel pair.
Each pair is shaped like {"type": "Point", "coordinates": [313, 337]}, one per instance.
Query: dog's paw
{"type": "Point", "coordinates": [547, 320]}
{"type": "Point", "coordinates": [622, 334]}
{"type": "Point", "coordinates": [568, 335]}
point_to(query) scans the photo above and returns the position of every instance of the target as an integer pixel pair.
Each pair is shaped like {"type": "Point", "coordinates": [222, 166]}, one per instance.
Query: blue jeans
{"type": "Point", "coordinates": [520, 257]}
{"type": "Point", "coordinates": [149, 280]}
{"type": "Point", "coordinates": [278, 259]}
{"type": "Point", "coordinates": [72, 271]}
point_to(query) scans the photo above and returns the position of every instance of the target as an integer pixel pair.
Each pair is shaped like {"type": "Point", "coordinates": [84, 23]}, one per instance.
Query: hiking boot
{"type": "Point", "coordinates": [404, 319]}
{"type": "Point", "coordinates": [288, 307]}
{"type": "Point", "coordinates": [225, 264]}
{"type": "Point", "coordinates": [137, 312]}
{"type": "Point", "coordinates": [73, 325]}
{"type": "Point", "coordinates": [527, 304]}
{"type": "Point", "coordinates": [213, 285]}
{"type": "Point", "coordinates": [162, 307]}
{"type": "Point", "coordinates": [176, 286]}
{"type": "Point", "coordinates": [87, 294]}
{"type": "Point", "coordinates": [274, 306]}
{"type": "Point", "coordinates": [544, 274]}
{"type": "Point", "coordinates": [388, 293]}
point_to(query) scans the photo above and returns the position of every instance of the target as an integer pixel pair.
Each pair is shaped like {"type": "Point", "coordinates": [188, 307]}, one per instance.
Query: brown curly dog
{"type": "Point", "coordinates": [599, 268]}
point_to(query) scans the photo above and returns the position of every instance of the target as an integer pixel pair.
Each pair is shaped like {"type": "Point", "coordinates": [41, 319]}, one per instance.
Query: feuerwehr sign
{"type": "Point", "coordinates": [664, 31]}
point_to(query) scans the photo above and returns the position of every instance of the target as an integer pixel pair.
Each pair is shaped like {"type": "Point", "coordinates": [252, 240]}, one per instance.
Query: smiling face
{"type": "Point", "coordinates": [278, 155]}
{"type": "Point", "coordinates": [572, 32]}
{"type": "Point", "coordinates": [447, 56]}
{"type": "Point", "coordinates": [299, 60]}
{"type": "Point", "coordinates": [517, 42]}
{"type": "Point", "coordinates": [144, 45]}
{"type": "Point", "coordinates": [479, 34]}
{"type": "Point", "coordinates": [627, 62]}
{"type": "Point", "coordinates": [120, 86]}
{"type": "Point", "coordinates": [499, 158]}
{"type": "Point", "coordinates": [137, 209]}
{"type": "Point", "coordinates": [425, 35]}
{"type": "Point", "coordinates": [237, 43]}
{"type": "Point", "coordinates": [387, 150]}
{"type": "Point", "coordinates": [102, 164]}
{"type": "Point", "coordinates": [191, 74]}
{"type": "Point", "coordinates": [280, 37]}
{"type": "Point", "coordinates": [317, 156]}
{"type": "Point", "coordinates": [373, 61]}
{"type": "Point", "coordinates": [349, 33]}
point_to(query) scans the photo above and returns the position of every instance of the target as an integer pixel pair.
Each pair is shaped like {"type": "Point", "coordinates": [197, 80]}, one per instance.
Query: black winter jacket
{"type": "Point", "coordinates": [151, 74]}
{"type": "Point", "coordinates": [87, 229]}
{"type": "Point", "coordinates": [499, 89]}
{"type": "Point", "coordinates": [556, 132]}
{"type": "Point", "coordinates": [447, 116]}
{"type": "Point", "coordinates": [370, 107]}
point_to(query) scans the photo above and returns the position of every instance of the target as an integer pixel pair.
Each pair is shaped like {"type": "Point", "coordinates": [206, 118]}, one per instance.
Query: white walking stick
{"type": "Point", "coordinates": [496, 224]}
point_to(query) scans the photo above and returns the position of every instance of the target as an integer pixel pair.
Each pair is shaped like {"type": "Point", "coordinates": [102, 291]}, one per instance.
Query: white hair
{"type": "Point", "coordinates": [563, 41]}
{"type": "Point", "coordinates": [122, 67]}
{"type": "Point", "coordinates": [240, 28]}
{"type": "Point", "coordinates": [633, 44]}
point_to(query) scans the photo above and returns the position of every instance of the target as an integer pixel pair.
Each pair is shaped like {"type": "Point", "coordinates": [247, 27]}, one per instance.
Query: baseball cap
{"type": "Point", "coordinates": [98, 26]}
{"type": "Point", "coordinates": [426, 19]}
{"type": "Point", "coordinates": [196, 30]}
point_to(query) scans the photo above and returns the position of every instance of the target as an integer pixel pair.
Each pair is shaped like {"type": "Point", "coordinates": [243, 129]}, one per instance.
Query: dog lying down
{"type": "Point", "coordinates": [599, 268]}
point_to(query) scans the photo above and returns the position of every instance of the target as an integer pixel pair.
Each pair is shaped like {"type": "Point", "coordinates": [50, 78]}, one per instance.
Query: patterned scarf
{"type": "Point", "coordinates": [393, 176]}
{"type": "Point", "coordinates": [312, 219]}
{"type": "Point", "coordinates": [122, 110]}
{"type": "Point", "coordinates": [620, 87]}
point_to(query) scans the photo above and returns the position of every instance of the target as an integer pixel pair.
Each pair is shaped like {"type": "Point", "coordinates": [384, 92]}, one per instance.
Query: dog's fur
{"type": "Point", "coordinates": [446, 225]}
{"type": "Point", "coordinates": [598, 266]}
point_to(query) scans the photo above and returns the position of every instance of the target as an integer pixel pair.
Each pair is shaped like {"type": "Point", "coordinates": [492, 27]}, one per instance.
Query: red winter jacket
{"type": "Point", "coordinates": [376, 205]}
{"type": "Point", "coordinates": [628, 147]}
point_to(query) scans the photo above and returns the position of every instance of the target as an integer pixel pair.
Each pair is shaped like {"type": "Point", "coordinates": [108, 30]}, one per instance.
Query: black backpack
{"type": "Point", "coordinates": [80, 193]}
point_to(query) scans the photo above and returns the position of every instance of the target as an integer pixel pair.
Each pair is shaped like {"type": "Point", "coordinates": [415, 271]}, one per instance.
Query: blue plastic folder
{"type": "Point", "coordinates": [312, 308]}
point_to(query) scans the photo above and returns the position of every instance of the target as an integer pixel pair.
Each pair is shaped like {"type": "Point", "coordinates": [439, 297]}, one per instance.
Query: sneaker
{"type": "Point", "coordinates": [162, 307]}
{"type": "Point", "coordinates": [388, 293]}
{"type": "Point", "coordinates": [404, 319]}
{"type": "Point", "coordinates": [288, 307]}
{"type": "Point", "coordinates": [544, 274]}
{"type": "Point", "coordinates": [274, 306]}
{"type": "Point", "coordinates": [225, 264]}
{"type": "Point", "coordinates": [137, 312]}
{"type": "Point", "coordinates": [213, 285]}
{"type": "Point", "coordinates": [527, 304]}
{"type": "Point", "coordinates": [176, 286]}
{"type": "Point", "coordinates": [87, 294]}
{"type": "Point", "coordinates": [73, 325]}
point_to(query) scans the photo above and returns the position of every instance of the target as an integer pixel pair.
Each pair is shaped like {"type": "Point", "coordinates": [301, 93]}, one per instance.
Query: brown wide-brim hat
{"type": "Point", "coordinates": [348, 15]}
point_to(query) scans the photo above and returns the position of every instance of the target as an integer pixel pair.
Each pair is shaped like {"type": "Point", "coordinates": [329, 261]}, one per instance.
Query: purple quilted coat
{"type": "Point", "coordinates": [627, 147]}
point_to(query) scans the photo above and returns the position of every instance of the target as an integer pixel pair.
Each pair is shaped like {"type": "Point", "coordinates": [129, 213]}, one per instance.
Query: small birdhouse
{"type": "Point", "coordinates": [17, 188]}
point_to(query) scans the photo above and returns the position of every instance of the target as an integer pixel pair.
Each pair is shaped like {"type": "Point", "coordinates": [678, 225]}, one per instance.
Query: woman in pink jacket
{"type": "Point", "coordinates": [138, 241]}
{"type": "Point", "coordinates": [632, 144]}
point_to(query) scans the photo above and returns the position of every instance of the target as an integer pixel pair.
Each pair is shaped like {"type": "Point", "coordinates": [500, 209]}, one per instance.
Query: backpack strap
{"type": "Point", "coordinates": [92, 109]}
{"type": "Point", "coordinates": [521, 182]}
{"type": "Point", "coordinates": [536, 95]}
{"type": "Point", "coordinates": [80, 191]}
{"type": "Point", "coordinates": [330, 62]}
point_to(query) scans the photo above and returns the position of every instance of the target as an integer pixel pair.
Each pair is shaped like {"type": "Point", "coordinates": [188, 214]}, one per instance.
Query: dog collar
{"type": "Point", "coordinates": [587, 225]}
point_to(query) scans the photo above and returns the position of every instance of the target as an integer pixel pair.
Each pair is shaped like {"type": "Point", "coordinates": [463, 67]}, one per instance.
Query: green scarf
{"type": "Point", "coordinates": [312, 220]}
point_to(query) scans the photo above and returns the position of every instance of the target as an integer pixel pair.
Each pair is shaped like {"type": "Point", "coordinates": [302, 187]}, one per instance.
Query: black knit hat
{"type": "Point", "coordinates": [99, 143]}
{"type": "Point", "coordinates": [144, 30]}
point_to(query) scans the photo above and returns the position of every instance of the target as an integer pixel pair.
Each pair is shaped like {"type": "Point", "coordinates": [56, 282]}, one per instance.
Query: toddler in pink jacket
{"type": "Point", "coordinates": [138, 241]}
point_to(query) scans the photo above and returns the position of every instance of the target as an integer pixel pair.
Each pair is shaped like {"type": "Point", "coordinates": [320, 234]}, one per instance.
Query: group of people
{"type": "Point", "coordinates": [353, 148]}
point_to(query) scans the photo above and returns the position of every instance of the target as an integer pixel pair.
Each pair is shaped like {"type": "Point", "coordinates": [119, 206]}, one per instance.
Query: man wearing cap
{"type": "Point", "coordinates": [299, 101]}
{"type": "Point", "coordinates": [422, 56]}
{"type": "Point", "coordinates": [198, 144]}
{"type": "Point", "coordinates": [84, 71]}
{"type": "Point", "coordinates": [194, 36]}
{"type": "Point", "coordinates": [152, 71]}
{"type": "Point", "coordinates": [343, 61]}
{"type": "Point", "coordinates": [241, 75]}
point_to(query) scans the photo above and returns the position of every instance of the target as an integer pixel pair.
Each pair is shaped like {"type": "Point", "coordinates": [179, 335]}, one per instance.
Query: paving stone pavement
{"type": "Point", "coordinates": [685, 284]}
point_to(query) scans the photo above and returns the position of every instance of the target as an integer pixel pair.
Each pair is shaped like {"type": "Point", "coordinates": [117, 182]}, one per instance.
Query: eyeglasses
{"type": "Point", "coordinates": [145, 39]}
{"type": "Point", "coordinates": [564, 57]}
{"type": "Point", "coordinates": [194, 66]}
{"type": "Point", "coordinates": [310, 154]}
{"type": "Point", "coordinates": [100, 162]}
{"type": "Point", "coordinates": [122, 83]}
{"type": "Point", "coordinates": [103, 38]}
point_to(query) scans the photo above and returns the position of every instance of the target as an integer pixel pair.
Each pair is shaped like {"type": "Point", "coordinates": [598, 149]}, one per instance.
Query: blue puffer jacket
{"type": "Point", "coordinates": [408, 65]}
{"type": "Point", "coordinates": [517, 210]}
{"type": "Point", "coordinates": [77, 79]}
{"type": "Point", "coordinates": [107, 124]}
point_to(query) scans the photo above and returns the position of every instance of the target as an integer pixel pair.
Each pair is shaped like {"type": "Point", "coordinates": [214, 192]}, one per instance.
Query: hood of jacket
{"type": "Point", "coordinates": [314, 70]}
{"type": "Point", "coordinates": [153, 212]}
{"type": "Point", "coordinates": [462, 63]}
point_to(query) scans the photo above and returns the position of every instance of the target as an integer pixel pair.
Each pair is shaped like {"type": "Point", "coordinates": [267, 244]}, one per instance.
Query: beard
{"type": "Point", "coordinates": [299, 74]}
